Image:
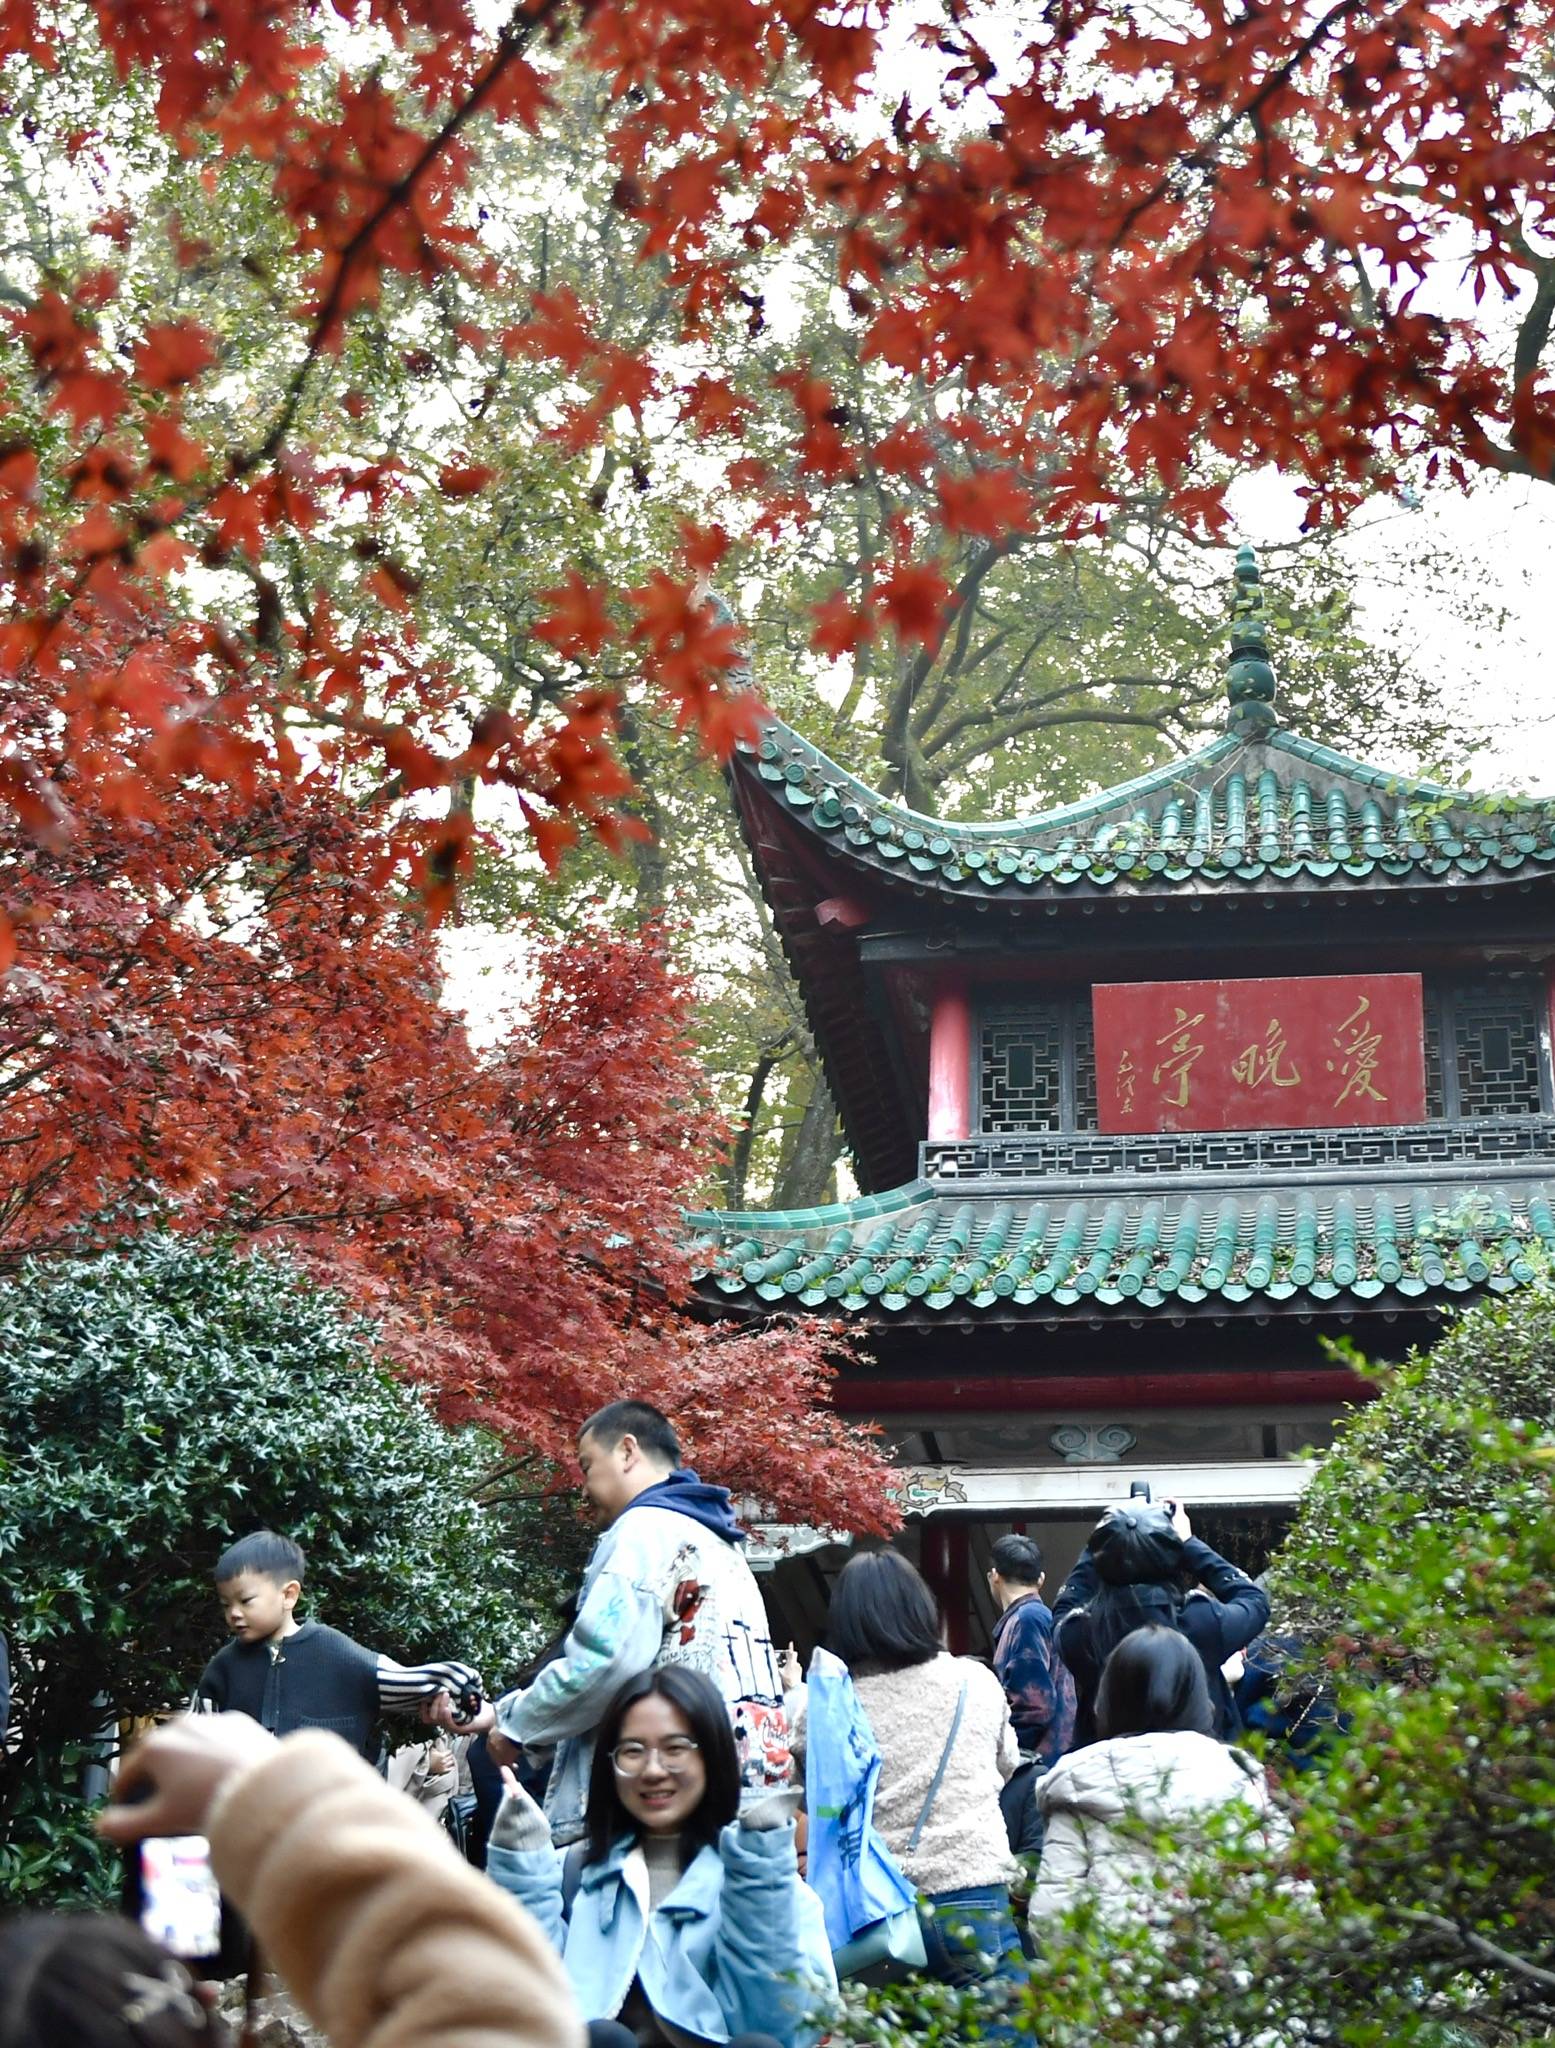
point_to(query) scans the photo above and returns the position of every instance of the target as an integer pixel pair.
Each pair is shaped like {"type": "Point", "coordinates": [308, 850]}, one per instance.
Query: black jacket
{"type": "Point", "coordinates": [319, 1679]}
{"type": "Point", "coordinates": [1217, 1628]}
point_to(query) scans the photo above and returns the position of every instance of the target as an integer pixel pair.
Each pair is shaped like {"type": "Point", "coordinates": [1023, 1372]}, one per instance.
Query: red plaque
{"type": "Point", "coordinates": [1302, 1053]}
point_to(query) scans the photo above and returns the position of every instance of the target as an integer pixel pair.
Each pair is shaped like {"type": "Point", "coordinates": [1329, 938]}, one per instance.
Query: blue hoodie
{"type": "Point", "coordinates": [687, 1495]}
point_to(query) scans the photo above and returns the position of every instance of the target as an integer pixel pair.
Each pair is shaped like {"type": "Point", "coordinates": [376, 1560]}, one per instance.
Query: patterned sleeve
{"type": "Point", "coordinates": [617, 1633]}
{"type": "Point", "coordinates": [402, 1687]}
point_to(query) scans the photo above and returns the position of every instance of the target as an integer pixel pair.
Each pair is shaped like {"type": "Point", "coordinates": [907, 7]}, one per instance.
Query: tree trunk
{"type": "Point", "coordinates": [806, 1174]}
{"type": "Point", "coordinates": [649, 857]}
{"type": "Point", "coordinates": [740, 1158]}
{"type": "Point", "coordinates": [908, 779]}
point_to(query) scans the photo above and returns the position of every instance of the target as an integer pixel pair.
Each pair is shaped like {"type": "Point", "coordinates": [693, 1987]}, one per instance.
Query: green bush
{"type": "Point", "coordinates": [158, 1401]}
{"type": "Point", "coordinates": [1418, 1455]}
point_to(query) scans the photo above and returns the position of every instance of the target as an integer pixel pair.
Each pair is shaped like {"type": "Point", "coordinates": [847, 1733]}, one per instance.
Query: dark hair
{"type": "Point", "coordinates": [1152, 1683]}
{"type": "Point", "coordinates": [882, 1616]}
{"type": "Point", "coordinates": [655, 1433]}
{"type": "Point", "coordinates": [66, 1982]}
{"type": "Point", "coordinates": [1136, 1543]}
{"type": "Point", "coordinates": [701, 1702]}
{"type": "Point", "coordinates": [1017, 1559]}
{"type": "Point", "coordinates": [277, 1557]}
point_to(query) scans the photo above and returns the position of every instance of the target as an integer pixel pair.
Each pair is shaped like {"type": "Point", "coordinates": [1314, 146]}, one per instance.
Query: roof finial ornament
{"type": "Point", "coordinates": [703, 592]}
{"type": "Point", "coordinates": [1249, 674]}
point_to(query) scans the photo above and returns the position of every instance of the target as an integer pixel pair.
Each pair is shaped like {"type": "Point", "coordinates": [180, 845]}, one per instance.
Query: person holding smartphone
{"type": "Point", "coordinates": [357, 1900]}
{"type": "Point", "coordinates": [1136, 1570]}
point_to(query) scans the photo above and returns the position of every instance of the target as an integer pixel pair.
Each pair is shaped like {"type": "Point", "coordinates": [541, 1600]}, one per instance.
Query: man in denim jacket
{"type": "Point", "coordinates": [667, 1584]}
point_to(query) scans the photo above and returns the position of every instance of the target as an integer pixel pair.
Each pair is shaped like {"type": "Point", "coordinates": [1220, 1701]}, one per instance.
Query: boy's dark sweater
{"type": "Point", "coordinates": [319, 1679]}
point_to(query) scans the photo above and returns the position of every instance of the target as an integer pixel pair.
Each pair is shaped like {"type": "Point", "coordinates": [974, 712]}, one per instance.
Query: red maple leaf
{"type": "Point", "coordinates": [841, 626]}
{"type": "Point", "coordinates": [575, 621]}
{"type": "Point", "coordinates": [174, 354]}
{"type": "Point", "coordinates": [916, 598]}
{"type": "Point", "coordinates": [990, 504]}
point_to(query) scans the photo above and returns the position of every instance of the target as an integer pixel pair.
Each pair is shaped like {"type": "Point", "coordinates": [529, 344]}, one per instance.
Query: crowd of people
{"type": "Point", "coordinates": [683, 1838]}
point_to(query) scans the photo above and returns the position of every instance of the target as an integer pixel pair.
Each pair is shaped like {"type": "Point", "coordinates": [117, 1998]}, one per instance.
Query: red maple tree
{"type": "Point", "coordinates": [223, 1022]}
{"type": "Point", "coordinates": [1113, 248]}
{"type": "Point", "coordinates": [1110, 250]}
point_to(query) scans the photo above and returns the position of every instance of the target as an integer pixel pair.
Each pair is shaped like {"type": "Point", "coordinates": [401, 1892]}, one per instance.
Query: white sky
{"type": "Point", "coordinates": [1504, 534]}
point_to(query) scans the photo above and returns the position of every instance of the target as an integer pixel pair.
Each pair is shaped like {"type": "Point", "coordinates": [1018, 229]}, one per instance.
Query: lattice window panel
{"type": "Point", "coordinates": [1496, 1046]}
{"type": "Point", "coordinates": [1020, 1085]}
{"type": "Point", "coordinates": [1084, 1071]}
{"type": "Point", "coordinates": [1245, 1538]}
{"type": "Point", "coordinates": [1435, 1084]}
{"type": "Point", "coordinates": [1484, 1145]}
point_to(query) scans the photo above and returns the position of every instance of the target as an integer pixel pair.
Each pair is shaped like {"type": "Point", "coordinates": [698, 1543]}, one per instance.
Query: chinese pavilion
{"type": "Point", "coordinates": [1147, 1097]}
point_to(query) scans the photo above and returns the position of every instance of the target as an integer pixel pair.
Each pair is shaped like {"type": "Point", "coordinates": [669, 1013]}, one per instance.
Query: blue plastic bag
{"type": "Point", "coordinates": [850, 1868]}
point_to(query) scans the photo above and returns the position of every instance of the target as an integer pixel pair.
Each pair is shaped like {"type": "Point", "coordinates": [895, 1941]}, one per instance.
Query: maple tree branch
{"type": "Point", "coordinates": [512, 41]}
{"type": "Point", "coordinates": [1533, 331]}
{"type": "Point", "coordinates": [1205, 158]}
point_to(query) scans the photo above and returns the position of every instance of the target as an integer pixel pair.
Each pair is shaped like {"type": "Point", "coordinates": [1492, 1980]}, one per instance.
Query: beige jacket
{"type": "Point", "coordinates": [910, 1713]}
{"type": "Point", "coordinates": [385, 1937]}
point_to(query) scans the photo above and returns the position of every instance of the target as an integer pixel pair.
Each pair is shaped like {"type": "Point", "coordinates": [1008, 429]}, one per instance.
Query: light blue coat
{"type": "Point", "coordinates": [738, 1947]}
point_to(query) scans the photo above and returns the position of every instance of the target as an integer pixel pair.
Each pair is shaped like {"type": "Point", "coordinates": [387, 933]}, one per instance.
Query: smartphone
{"type": "Point", "coordinates": [173, 1894]}
{"type": "Point", "coordinates": [1140, 1490]}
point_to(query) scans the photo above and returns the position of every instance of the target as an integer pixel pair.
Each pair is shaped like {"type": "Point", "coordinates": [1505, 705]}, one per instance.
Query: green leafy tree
{"type": "Point", "coordinates": [157, 1402]}
{"type": "Point", "coordinates": [1417, 1457]}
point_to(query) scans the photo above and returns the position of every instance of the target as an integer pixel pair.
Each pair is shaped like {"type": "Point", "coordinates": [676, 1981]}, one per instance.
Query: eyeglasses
{"type": "Point", "coordinates": [631, 1758]}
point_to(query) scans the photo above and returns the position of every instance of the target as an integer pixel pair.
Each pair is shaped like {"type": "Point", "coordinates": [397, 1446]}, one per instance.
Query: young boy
{"type": "Point", "coordinates": [288, 1674]}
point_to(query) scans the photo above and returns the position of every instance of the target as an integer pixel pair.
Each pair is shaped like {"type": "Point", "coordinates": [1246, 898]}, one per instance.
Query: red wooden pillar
{"type": "Point", "coordinates": [958, 1594]}
{"type": "Point", "coordinates": [950, 1061]}
{"type": "Point", "coordinates": [945, 1553]}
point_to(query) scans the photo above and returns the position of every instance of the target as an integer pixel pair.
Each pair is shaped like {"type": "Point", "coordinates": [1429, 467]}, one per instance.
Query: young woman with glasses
{"type": "Point", "coordinates": [679, 1918]}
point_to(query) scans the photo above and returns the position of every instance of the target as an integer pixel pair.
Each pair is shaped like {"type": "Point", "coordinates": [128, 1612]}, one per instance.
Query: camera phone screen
{"type": "Point", "coordinates": [180, 1902]}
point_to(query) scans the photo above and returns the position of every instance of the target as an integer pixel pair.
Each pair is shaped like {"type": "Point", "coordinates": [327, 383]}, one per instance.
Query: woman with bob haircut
{"type": "Point", "coordinates": [678, 1918]}
{"type": "Point", "coordinates": [926, 1708]}
{"type": "Point", "coordinates": [1153, 1774]}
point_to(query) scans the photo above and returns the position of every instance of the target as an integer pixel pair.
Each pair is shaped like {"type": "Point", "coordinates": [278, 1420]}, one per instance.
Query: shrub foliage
{"type": "Point", "coordinates": [157, 1401]}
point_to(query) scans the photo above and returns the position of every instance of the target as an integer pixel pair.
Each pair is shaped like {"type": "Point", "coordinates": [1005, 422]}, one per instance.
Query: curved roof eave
{"type": "Point", "coordinates": [1245, 808]}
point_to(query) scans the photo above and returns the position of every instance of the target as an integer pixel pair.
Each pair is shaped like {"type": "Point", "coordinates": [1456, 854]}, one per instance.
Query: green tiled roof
{"type": "Point", "coordinates": [1261, 808]}
{"type": "Point", "coordinates": [919, 1250]}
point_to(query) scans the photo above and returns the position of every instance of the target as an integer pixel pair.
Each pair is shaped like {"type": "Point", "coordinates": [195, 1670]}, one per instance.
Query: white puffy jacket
{"type": "Point", "coordinates": [1168, 1782]}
